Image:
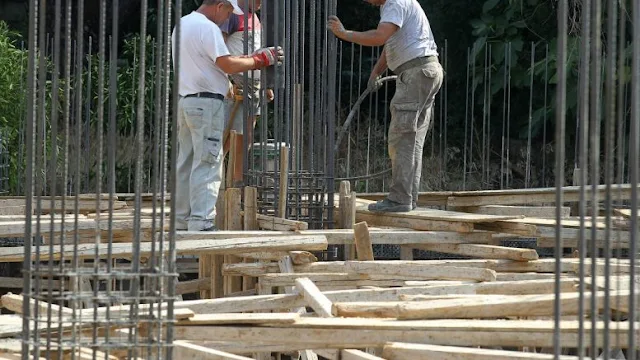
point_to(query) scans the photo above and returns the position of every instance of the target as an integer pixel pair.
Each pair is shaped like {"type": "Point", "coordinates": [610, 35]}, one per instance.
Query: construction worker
{"type": "Point", "coordinates": [204, 65]}
{"type": "Point", "coordinates": [410, 51]}
{"type": "Point", "coordinates": [233, 31]}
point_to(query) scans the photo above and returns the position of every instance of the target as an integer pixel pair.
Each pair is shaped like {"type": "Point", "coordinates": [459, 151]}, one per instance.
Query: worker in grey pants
{"type": "Point", "coordinates": [205, 63]}
{"type": "Point", "coordinates": [410, 51]}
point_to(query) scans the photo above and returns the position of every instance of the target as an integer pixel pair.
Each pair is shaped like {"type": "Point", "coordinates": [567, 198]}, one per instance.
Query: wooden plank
{"type": "Point", "coordinates": [234, 318]}
{"type": "Point", "coordinates": [312, 295]}
{"type": "Point", "coordinates": [353, 354]}
{"type": "Point", "coordinates": [434, 198]}
{"type": "Point", "coordinates": [267, 222]}
{"type": "Point", "coordinates": [404, 351]}
{"type": "Point", "coordinates": [529, 211]}
{"type": "Point", "coordinates": [477, 307]}
{"type": "Point", "coordinates": [528, 196]}
{"type": "Point", "coordinates": [505, 266]}
{"type": "Point", "coordinates": [437, 215]}
{"type": "Point", "coordinates": [364, 249]}
{"type": "Point", "coordinates": [286, 266]}
{"type": "Point", "coordinates": [192, 286]}
{"type": "Point", "coordinates": [286, 301]}
{"type": "Point", "coordinates": [482, 251]}
{"type": "Point", "coordinates": [192, 247]}
{"type": "Point", "coordinates": [360, 333]}
{"type": "Point", "coordinates": [345, 236]}
{"type": "Point", "coordinates": [509, 228]}
{"type": "Point", "coordinates": [233, 221]}
{"type": "Point", "coordinates": [186, 350]}
{"type": "Point", "coordinates": [384, 219]}
{"type": "Point", "coordinates": [363, 271]}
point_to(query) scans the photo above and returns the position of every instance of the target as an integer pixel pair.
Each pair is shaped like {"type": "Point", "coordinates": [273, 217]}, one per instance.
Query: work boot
{"type": "Point", "coordinates": [387, 205]}
{"type": "Point", "coordinates": [414, 205]}
{"type": "Point", "coordinates": [211, 228]}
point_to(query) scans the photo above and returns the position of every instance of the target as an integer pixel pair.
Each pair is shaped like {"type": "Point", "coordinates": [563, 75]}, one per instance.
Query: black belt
{"type": "Point", "coordinates": [415, 62]}
{"type": "Point", "coordinates": [206, 95]}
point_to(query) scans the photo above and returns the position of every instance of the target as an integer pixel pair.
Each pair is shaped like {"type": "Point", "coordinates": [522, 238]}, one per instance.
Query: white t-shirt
{"type": "Point", "coordinates": [413, 38]}
{"type": "Point", "coordinates": [201, 43]}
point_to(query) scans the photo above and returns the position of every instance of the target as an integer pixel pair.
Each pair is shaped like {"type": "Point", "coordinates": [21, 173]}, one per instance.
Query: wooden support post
{"type": "Point", "coordinates": [205, 267]}
{"type": "Point", "coordinates": [250, 223]}
{"type": "Point", "coordinates": [233, 221]}
{"type": "Point", "coordinates": [363, 242]}
{"type": "Point", "coordinates": [347, 211]}
{"type": "Point", "coordinates": [284, 181]}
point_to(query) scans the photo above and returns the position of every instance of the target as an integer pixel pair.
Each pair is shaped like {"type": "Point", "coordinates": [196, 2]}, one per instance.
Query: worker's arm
{"type": "Point", "coordinates": [258, 60]}
{"type": "Point", "coordinates": [376, 37]}
{"type": "Point", "coordinates": [380, 66]}
{"type": "Point", "coordinates": [235, 64]}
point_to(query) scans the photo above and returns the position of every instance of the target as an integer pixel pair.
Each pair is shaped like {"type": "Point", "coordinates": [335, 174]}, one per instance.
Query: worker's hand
{"type": "Point", "coordinates": [268, 56]}
{"type": "Point", "coordinates": [374, 82]}
{"type": "Point", "coordinates": [270, 95]}
{"type": "Point", "coordinates": [335, 25]}
{"type": "Point", "coordinates": [231, 93]}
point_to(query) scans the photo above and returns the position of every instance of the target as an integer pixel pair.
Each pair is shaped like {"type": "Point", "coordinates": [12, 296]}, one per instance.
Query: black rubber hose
{"type": "Point", "coordinates": [355, 107]}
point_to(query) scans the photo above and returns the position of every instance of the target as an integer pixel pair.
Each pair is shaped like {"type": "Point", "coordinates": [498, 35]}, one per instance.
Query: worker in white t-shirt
{"type": "Point", "coordinates": [203, 70]}
{"type": "Point", "coordinates": [410, 51]}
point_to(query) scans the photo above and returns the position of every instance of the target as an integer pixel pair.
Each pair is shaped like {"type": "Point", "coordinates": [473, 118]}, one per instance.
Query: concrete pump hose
{"type": "Point", "coordinates": [356, 106]}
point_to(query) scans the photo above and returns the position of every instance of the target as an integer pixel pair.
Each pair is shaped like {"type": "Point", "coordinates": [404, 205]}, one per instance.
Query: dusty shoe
{"type": "Point", "coordinates": [414, 205]}
{"type": "Point", "coordinates": [212, 228]}
{"type": "Point", "coordinates": [387, 205]}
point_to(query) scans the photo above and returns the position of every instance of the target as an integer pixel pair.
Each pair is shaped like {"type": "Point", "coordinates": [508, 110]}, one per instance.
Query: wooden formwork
{"type": "Point", "coordinates": [263, 293]}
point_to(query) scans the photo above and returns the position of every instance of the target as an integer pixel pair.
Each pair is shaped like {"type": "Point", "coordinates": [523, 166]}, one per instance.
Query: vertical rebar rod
{"type": "Point", "coordinates": [527, 179]}
{"type": "Point", "coordinates": [466, 120]}
{"type": "Point", "coordinates": [634, 135]}
{"type": "Point", "coordinates": [610, 123]}
{"type": "Point", "coordinates": [171, 291]}
{"type": "Point", "coordinates": [78, 145]}
{"type": "Point", "coordinates": [583, 136]}
{"type": "Point", "coordinates": [544, 120]}
{"type": "Point", "coordinates": [31, 114]}
{"type": "Point", "coordinates": [595, 128]}
{"type": "Point", "coordinates": [486, 89]}
{"type": "Point", "coordinates": [561, 105]}
{"type": "Point", "coordinates": [54, 159]}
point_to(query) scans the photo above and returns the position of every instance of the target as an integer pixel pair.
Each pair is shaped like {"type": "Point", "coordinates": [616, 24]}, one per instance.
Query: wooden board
{"type": "Point", "coordinates": [528, 211]}
{"type": "Point", "coordinates": [345, 236]}
{"type": "Point", "coordinates": [434, 214]}
{"type": "Point", "coordinates": [234, 318]}
{"type": "Point", "coordinates": [482, 251]}
{"type": "Point", "coordinates": [404, 351]}
{"type": "Point", "coordinates": [193, 247]}
{"type": "Point", "coordinates": [186, 350]}
{"type": "Point", "coordinates": [286, 301]}
{"type": "Point", "coordinates": [479, 307]}
{"type": "Point", "coordinates": [310, 333]}
{"type": "Point", "coordinates": [529, 196]}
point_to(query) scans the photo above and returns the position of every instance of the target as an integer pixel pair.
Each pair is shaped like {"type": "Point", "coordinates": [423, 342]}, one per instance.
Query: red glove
{"type": "Point", "coordinates": [268, 56]}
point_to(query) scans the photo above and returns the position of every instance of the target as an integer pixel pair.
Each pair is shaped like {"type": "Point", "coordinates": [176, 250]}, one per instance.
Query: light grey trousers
{"type": "Point", "coordinates": [411, 116]}
{"type": "Point", "coordinates": [199, 168]}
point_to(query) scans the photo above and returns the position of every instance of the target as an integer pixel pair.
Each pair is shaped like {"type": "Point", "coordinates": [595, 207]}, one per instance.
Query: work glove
{"type": "Point", "coordinates": [374, 83]}
{"type": "Point", "coordinates": [268, 56]}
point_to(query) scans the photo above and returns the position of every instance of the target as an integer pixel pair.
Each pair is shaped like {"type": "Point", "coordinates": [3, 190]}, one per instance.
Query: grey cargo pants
{"type": "Point", "coordinates": [411, 116]}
